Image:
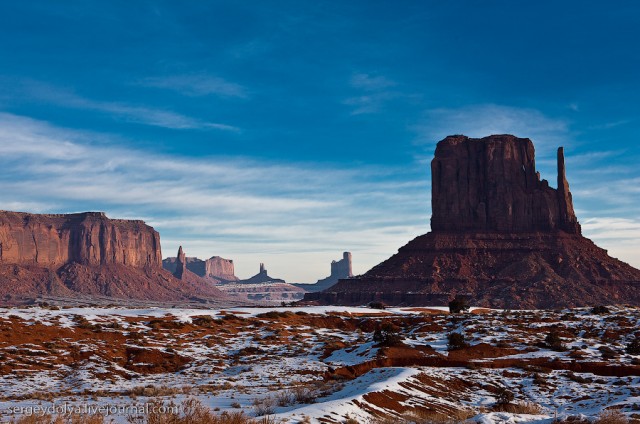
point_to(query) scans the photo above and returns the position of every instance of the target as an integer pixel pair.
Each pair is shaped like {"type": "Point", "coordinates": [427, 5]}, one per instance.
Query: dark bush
{"type": "Point", "coordinates": [458, 305]}
{"type": "Point", "coordinates": [607, 352]}
{"type": "Point", "coordinates": [504, 396]}
{"type": "Point", "coordinates": [377, 305]}
{"type": "Point", "coordinates": [203, 320]}
{"type": "Point", "coordinates": [600, 310]}
{"type": "Point", "coordinates": [554, 342]}
{"type": "Point", "coordinates": [456, 341]}
{"type": "Point", "coordinates": [387, 335]}
{"type": "Point", "coordinates": [633, 348]}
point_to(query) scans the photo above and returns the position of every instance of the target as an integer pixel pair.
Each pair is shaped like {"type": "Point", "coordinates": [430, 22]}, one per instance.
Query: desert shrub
{"type": "Point", "coordinates": [377, 305]}
{"type": "Point", "coordinates": [458, 305]}
{"type": "Point", "coordinates": [520, 408]}
{"type": "Point", "coordinates": [192, 411]}
{"type": "Point", "coordinates": [203, 320]}
{"type": "Point", "coordinates": [303, 394]}
{"type": "Point", "coordinates": [554, 341]}
{"type": "Point", "coordinates": [608, 352]}
{"type": "Point", "coordinates": [276, 314]}
{"type": "Point", "coordinates": [504, 396]}
{"type": "Point", "coordinates": [66, 419]}
{"type": "Point", "coordinates": [430, 417]}
{"type": "Point", "coordinates": [83, 323]}
{"type": "Point", "coordinates": [159, 323]}
{"type": "Point", "coordinates": [456, 341]}
{"type": "Point", "coordinates": [284, 398]}
{"type": "Point", "coordinates": [231, 317]}
{"type": "Point", "coordinates": [264, 406]}
{"type": "Point", "coordinates": [350, 420]}
{"type": "Point", "coordinates": [633, 348]}
{"type": "Point", "coordinates": [611, 416]}
{"type": "Point", "coordinates": [600, 310]}
{"type": "Point", "coordinates": [387, 335]}
{"type": "Point", "coordinates": [539, 380]}
{"type": "Point", "coordinates": [578, 378]}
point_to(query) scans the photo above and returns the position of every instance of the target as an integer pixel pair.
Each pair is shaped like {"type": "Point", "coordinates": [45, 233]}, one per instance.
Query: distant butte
{"type": "Point", "coordinates": [501, 236]}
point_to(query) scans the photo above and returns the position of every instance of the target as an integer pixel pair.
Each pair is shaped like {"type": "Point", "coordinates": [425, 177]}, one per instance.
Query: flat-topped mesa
{"type": "Point", "coordinates": [88, 238]}
{"type": "Point", "coordinates": [491, 184]}
{"type": "Point", "coordinates": [221, 268]}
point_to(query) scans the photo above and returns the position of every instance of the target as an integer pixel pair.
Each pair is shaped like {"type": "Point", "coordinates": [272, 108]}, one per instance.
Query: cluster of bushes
{"type": "Point", "coordinates": [458, 305]}
{"type": "Point", "coordinates": [456, 341]}
{"type": "Point", "coordinates": [387, 335]}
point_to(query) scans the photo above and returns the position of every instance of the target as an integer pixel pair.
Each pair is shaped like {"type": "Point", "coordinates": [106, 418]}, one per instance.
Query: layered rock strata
{"type": "Point", "coordinates": [87, 255]}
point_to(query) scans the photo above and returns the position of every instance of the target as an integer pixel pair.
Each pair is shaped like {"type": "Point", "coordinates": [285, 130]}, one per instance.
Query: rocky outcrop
{"type": "Point", "coordinates": [339, 269]}
{"type": "Point", "coordinates": [181, 265]}
{"type": "Point", "coordinates": [500, 236]}
{"type": "Point", "coordinates": [87, 255]}
{"type": "Point", "coordinates": [88, 238]}
{"type": "Point", "coordinates": [216, 269]}
{"type": "Point", "coordinates": [220, 269]}
{"type": "Point", "coordinates": [261, 277]}
{"type": "Point", "coordinates": [491, 184]}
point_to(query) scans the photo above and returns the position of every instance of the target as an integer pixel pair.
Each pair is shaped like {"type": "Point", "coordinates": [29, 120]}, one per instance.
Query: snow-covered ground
{"type": "Point", "coordinates": [322, 362]}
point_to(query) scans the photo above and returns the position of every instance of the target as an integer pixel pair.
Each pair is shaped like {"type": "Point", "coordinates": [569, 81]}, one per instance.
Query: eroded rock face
{"type": "Point", "coordinates": [88, 256]}
{"type": "Point", "coordinates": [491, 184]}
{"type": "Point", "coordinates": [500, 236]}
{"type": "Point", "coordinates": [88, 238]}
{"type": "Point", "coordinates": [216, 269]}
{"type": "Point", "coordinates": [339, 269]}
{"type": "Point", "coordinates": [220, 268]}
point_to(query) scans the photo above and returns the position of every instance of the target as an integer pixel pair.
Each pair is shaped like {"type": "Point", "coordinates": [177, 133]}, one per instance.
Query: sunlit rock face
{"type": "Point", "coordinates": [89, 256]}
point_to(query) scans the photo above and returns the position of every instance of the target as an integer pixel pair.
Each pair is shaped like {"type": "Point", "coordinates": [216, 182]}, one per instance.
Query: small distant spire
{"type": "Point", "coordinates": [181, 264]}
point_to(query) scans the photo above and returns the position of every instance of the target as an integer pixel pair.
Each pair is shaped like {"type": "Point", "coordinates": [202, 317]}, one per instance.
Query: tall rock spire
{"type": "Point", "coordinates": [568, 219]}
{"type": "Point", "coordinates": [181, 264]}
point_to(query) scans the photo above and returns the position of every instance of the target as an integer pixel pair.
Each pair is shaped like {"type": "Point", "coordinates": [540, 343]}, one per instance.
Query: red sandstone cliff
{"type": "Point", "coordinates": [86, 254]}
{"type": "Point", "coordinates": [491, 184]}
{"type": "Point", "coordinates": [87, 238]}
{"type": "Point", "coordinates": [500, 236]}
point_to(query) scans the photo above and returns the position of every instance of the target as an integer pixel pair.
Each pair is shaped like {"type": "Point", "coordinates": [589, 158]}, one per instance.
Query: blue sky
{"type": "Point", "coordinates": [286, 132]}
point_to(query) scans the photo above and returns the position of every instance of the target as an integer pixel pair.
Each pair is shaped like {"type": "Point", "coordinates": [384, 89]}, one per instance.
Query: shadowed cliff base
{"type": "Point", "coordinates": [501, 236]}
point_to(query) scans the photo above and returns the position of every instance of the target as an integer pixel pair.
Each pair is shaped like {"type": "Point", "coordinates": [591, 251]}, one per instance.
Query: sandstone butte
{"type": "Point", "coordinates": [88, 256]}
{"type": "Point", "coordinates": [500, 236]}
{"type": "Point", "coordinates": [214, 269]}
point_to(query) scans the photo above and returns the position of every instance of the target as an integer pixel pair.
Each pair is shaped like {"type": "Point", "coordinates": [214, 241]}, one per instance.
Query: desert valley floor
{"type": "Point", "coordinates": [322, 364]}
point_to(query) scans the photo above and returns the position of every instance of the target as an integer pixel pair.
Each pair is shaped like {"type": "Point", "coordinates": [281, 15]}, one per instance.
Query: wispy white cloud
{"type": "Point", "coordinates": [371, 83]}
{"type": "Point", "coordinates": [619, 235]}
{"type": "Point", "coordinates": [122, 111]}
{"type": "Point", "coordinates": [374, 92]}
{"type": "Point", "coordinates": [197, 85]}
{"type": "Point", "coordinates": [248, 210]}
{"type": "Point", "coordinates": [486, 119]}
{"type": "Point", "coordinates": [370, 103]}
